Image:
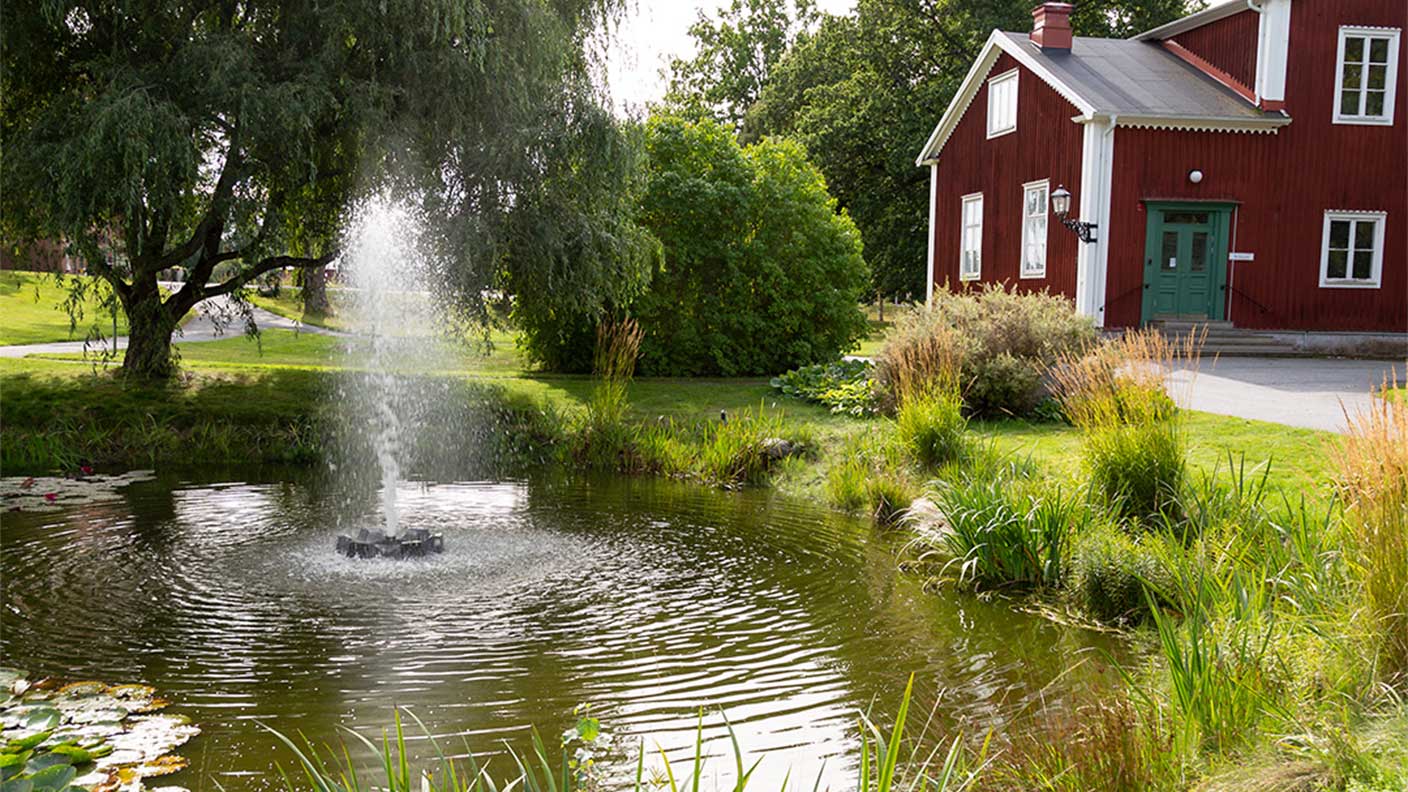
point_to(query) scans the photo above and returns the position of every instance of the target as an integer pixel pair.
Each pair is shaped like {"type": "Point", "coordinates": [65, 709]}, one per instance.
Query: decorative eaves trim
{"type": "Point", "coordinates": [1269, 125]}
{"type": "Point", "coordinates": [1205, 17]}
{"type": "Point", "coordinates": [973, 81]}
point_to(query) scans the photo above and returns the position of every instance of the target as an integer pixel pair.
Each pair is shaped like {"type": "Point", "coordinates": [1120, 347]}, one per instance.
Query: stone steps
{"type": "Point", "coordinates": [1221, 338]}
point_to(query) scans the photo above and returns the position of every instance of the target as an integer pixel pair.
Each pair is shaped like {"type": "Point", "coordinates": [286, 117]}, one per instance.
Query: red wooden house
{"type": "Point", "coordinates": [1247, 164]}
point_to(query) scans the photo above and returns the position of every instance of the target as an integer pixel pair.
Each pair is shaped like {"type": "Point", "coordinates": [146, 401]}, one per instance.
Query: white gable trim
{"type": "Point", "coordinates": [1205, 17]}
{"type": "Point", "coordinates": [968, 91]}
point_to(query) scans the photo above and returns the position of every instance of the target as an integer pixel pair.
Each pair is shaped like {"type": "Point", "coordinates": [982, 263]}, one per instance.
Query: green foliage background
{"type": "Point", "coordinates": [759, 273]}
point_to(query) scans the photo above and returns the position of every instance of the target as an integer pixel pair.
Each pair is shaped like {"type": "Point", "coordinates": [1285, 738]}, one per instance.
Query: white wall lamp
{"type": "Point", "coordinates": [1195, 176]}
{"type": "Point", "coordinates": [1061, 207]}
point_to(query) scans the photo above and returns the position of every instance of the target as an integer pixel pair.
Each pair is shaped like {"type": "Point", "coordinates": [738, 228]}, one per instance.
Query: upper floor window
{"type": "Point", "coordinates": [1034, 197]}
{"type": "Point", "coordinates": [1002, 104]}
{"type": "Point", "coordinates": [970, 260]}
{"type": "Point", "coordinates": [1365, 75]}
{"type": "Point", "coordinates": [1352, 250]}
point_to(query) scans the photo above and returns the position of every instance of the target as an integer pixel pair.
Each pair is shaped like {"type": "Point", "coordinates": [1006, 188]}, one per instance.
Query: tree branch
{"type": "Point", "coordinates": [268, 265]}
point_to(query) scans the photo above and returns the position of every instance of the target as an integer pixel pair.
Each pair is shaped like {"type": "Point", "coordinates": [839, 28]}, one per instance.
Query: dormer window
{"type": "Point", "coordinates": [1365, 75]}
{"type": "Point", "coordinates": [1002, 104]}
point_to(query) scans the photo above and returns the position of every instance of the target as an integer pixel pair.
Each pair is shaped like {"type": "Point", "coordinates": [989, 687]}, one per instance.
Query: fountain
{"type": "Point", "coordinates": [385, 270]}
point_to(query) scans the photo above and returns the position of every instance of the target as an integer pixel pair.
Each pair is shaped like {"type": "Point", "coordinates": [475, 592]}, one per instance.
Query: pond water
{"type": "Point", "coordinates": [644, 600]}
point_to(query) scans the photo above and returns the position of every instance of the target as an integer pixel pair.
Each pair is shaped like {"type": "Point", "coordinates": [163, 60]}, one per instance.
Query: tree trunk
{"type": "Point", "coordinates": [149, 328]}
{"type": "Point", "coordinates": [315, 292]}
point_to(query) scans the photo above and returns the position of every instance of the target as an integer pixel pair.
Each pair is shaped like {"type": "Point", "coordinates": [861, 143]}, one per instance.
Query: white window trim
{"type": "Point", "coordinates": [1390, 80]}
{"type": "Point", "coordinates": [1045, 185]}
{"type": "Point", "coordinates": [962, 234]}
{"type": "Point", "coordinates": [1376, 271]}
{"type": "Point", "coordinates": [1010, 74]}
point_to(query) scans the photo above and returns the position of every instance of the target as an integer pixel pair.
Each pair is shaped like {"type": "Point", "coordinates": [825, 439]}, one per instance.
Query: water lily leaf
{"type": "Point", "coordinates": [75, 754]}
{"type": "Point", "coordinates": [25, 743]}
{"type": "Point", "coordinates": [53, 778]}
{"type": "Point", "coordinates": [82, 689]}
{"type": "Point", "coordinates": [162, 765]}
{"type": "Point", "coordinates": [17, 785]}
{"type": "Point", "coordinates": [42, 718]}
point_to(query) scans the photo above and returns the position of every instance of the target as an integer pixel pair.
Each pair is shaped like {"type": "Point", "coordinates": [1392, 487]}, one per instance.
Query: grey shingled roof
{"type": "Point", "coordinates": [1139, 78]}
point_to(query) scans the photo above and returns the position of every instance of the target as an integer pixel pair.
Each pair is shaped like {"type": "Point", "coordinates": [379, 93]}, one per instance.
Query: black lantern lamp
{"type": "Point", "coordinates": [1061, 207]}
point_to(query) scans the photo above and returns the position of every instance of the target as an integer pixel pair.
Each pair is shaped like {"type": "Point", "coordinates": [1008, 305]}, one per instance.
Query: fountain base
{"type": "Point", "coordinates": [414, 543]}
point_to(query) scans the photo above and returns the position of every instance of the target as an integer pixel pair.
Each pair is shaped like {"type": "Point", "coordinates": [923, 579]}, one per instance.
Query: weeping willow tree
{"type": "Point", "coordinates": [232, 139]}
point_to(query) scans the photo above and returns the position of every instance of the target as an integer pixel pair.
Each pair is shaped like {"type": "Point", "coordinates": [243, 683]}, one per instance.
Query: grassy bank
{"type": "Point", "coordinates": [31, 309]}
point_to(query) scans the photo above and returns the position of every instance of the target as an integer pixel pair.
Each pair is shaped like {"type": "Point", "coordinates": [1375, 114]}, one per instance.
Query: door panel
{"type": "Point", "coordinates": [1185, 263]}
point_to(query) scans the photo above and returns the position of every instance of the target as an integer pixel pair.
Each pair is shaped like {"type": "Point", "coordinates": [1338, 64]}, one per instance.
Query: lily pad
{"type": "Point", "coordinates": [49, 731]}
{"type": "Point", "coordinates": [52, 493]}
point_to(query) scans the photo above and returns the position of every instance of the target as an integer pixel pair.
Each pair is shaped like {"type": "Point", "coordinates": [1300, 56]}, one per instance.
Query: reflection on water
{"type": "Point", "coordinates": [645, 600]}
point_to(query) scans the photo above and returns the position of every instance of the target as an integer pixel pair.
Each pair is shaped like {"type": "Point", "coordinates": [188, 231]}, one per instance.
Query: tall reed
{"type": "Point", "coordinates": [1134, 443]}
{"type": "Point", "coordinates": [884, 765]}
{"type": "Point", "coordinates": [1372, 481]}
{"type": "Point", "coordinates": [605, 439]}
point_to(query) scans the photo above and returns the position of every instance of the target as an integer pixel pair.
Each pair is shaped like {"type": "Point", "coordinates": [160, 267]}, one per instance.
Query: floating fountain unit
{"type": "Point", "coordinates": [414, 543]}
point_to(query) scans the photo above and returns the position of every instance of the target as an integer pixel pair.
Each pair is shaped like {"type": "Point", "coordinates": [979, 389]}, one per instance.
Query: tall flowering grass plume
{"type": "Point", "coordinates": [1372, 482]}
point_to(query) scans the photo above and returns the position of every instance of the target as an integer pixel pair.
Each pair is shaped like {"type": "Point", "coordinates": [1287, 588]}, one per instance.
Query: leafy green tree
{"type": "Point", "coordinates": [760, 272]}
{"type": "Point", "coordinates": [238, 136]}
{"type": "Point", "coordinates": [863, 91]}
{"type": "Point", "coordinates": [734, 55]}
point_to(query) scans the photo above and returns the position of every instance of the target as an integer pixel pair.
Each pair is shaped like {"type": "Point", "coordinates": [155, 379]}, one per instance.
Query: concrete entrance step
{"type": "Point", "coordinates": [1221, 338]}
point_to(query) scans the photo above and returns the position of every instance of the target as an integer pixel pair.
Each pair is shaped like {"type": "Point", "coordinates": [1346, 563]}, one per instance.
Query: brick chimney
{"type": "Point", "coordinates": [1051, 26]}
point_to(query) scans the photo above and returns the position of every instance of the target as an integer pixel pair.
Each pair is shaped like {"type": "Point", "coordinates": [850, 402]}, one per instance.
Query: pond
{"type": "Point", "coordinates": [643, 600]}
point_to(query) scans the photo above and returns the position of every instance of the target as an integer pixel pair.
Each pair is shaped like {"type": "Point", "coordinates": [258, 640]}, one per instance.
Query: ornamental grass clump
{"type": "Point", "coordinates": [1133, 438]}
{"type": "Point", "coordinates": [1000, 531]}
{"type": "Point", "coordinates": [870, 476]}
{"type": "Point", "coordinates": [925, 380]}
{"type": "Point", "coordinates": [604, 438]}
{"type": "Point", "coordinates": [1372, 482]}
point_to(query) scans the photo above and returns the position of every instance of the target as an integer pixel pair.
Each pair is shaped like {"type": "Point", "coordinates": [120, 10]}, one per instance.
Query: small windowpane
{"type": "Point", "coordinates": [1377, 77]}
{"type": "Point", "coordinates": [1374, 103]}
{"type": "Point", "coordinates": [1191, 218]}
{"type": "Point", "coordinates": [1169, 260]}
{"type": "Point", "coordinates": [1349, 103]}
{"type": "Point", "coordinates": [1352, 77]}
{"type": "Point", "coordinates": [1200, 252]}
{"type": "Point", "coordinates": [1364, 264]}
{"type": "Point", "coordinates": [1378, 50]}
{"type": "Point", "coordinates": [1339, 234]}
{"type": "Point", "coordinates": [1335, 268]}
{"type": "Point", "coordinates": [1354, 49]}
{"type": "Point", "coordinates": [1364, 235]}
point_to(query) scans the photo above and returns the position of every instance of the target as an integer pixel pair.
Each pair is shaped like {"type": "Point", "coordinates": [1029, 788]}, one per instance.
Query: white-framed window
{"type": "Point", "coordinates": [1366, 73]}
{"type": "Point", "coordinates": [1352, 250]}
{"type": "Point", "coordinates": [1034, 197]}
{"type": "Point", "coordinates": [1002, 104]}
{"type": "Point", "coordinates": [970, 258]}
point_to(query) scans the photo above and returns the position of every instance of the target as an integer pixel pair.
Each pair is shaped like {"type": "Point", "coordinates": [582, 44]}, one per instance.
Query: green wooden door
{"type": "Point", "coordinates": [1185, 262]}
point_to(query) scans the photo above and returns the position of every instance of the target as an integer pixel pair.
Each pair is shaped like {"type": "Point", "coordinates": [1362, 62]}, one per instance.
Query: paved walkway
{"type": "Point", "coordinates": [201, 328]}
{"type": "Point", "coordinates": [1314, 393]}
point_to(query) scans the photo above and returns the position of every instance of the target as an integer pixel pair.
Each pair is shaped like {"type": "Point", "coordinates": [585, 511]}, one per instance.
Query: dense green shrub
{"type": "Point", "coordinates": [1111, 572]}
{"type": "Point", "coordinates": [846, 386]}
{"type": "Point", "coordinates": [1008, 339]}
{"type": "Point", "coordinates": [760, 272]}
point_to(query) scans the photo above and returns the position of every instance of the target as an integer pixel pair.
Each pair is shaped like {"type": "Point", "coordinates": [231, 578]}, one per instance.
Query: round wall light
{"type": "Point", "coordinates": [1195, 176]}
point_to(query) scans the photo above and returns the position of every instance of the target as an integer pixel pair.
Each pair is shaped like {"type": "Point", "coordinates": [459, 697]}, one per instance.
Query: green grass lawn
{"type": "Point", "coordinates": [1296, 458]}
{"type": "Point", "coordinates": [31, 310]}
{"type": "Point", "coordinates": [288, 303]}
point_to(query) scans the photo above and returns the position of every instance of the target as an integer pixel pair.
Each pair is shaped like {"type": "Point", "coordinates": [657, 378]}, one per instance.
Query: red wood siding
{"type": "Point", "coordinates": [1229, 44]}
{"type": "Point", "coordinates": [1046, 145]}
{"type": "Point", "coordinates": [1284, 183]}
